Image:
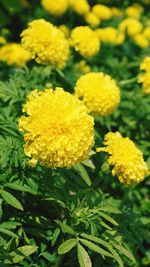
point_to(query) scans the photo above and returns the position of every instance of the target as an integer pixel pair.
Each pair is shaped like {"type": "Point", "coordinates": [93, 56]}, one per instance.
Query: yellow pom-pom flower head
{"type": "Point", "coordinates": [85, 41]}
{"type": "Point", "coordinates": [46, 43]}
{"type": "Point", "coordinates": [131, 26]}
{"type": "Point", "coordinates": [58, 131]}
{"type": "Point", "coordinates": [14, 54]}
{"type": "Point", "coordinates": [56, 8]}
{"type": "Point", "coordinates": [144, 78]}
{"type": "Point", "coordinates": [126, 158]}
{"type": "Point", "coordinates": [99, 92]}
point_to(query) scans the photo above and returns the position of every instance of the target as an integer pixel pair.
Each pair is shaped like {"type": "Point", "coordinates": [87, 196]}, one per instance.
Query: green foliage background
{"type": "Point", "coordinates": [55, 217]}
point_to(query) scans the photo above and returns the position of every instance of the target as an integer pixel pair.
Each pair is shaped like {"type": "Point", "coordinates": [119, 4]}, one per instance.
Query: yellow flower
{"type": "Point", "coordinates": [102, 11]}
{"type": "Point", "coordinates": [130, 26]}
{"type": "Point", "coordinates": [110, 35]}
{"type": "Point", "coordinates": [55, 8]}
{"type": "Point", "coordinates": [126, 158]}
{"type": "Point", "coordinates": [99, 92]}
{"type": "Point", "coordinates": [116, 12]}
{"type": "Point", "coordinates": [144, 78]}
{"type": "Point", "coordinates": [134, 11]}
{"type": "Point", "coordinates": [2, 40]}
{"type": "Point", "coordinates": [65, 30]}
{"type": "Point", "coordinates": [85, 41]}
{"type": "Point", "coordinates": [46, 43]}
{"type": "Point", "coordinates": [92, 19]}
{"type": "Point", "coordinates": [81, 7]}
{"type": "Point", "coordinates": [146, 32]}
{"type": "Point", "coordinates": [58, 132]}
{"type": "Point", "coordinates": [14, 53]}
{"type": "Point", "coordinates": [82, 67]}
{"type": "Point", "coordinates": [141, 40]}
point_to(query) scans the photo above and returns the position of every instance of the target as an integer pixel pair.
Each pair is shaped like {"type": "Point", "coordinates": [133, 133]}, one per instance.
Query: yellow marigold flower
{"type": "Point", "coordinates": [46, 43]}
{"type": "Point", "coordinates": [116, 12]}
{"type": "Point", "coordinates": [65, 30]}
{"type": "Point", "coordinates": [134, 11]}
{"type": "Point", "coordinates": [141, 40]}
{"type": "Point", "coordinates": [146, 32]}
{"type": "Point", "coordinates": [130, 26]}
{"type": "Point", "coordinates": [126, 158]}
{"type": "Point", "coordinates": [102, 11]}
{"type": "Point", "coordinates": [82, 67]}
{"type": "Point", "coordinates": [81, 7]}
{"type": "Point", "coordinates": [57, 8]}
{"type": "Point", "coordinates": [14, 53]}
{"type": "Point", "coordinates": [58, 130]}
{"type": "Point", "coordinates": [110, 35]}
{"type": "Point", "coordinates": [85, 41]}
{"type": "Point", "coordinates": [99, 92]}
{"type": "Point", "coordinates": [2, 40]}
{"type": "Point", "coordinates": [92, 19]}
{"type": "Point", "coordinates": [144, 78]}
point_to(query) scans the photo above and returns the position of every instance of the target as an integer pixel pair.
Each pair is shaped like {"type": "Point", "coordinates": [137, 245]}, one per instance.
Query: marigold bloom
{"type": "Point", "coordinates": [55, 8]}
{"type": "Point", "coordinates": [99, 92]}
{"type": "Point", "coordinates": [46, 43]}
{"type": "Point", "coordinates": [126, 158]}
{"type": "Point", "coordinates": [134, 11]}
{"type": "Point", "coordinates": [144, 78]}
{"type": "Point", "coordinates": [14, 53]}
{"type": "Point", "coordinates": [110, 35]}
{"type": "Point", "coordinates": [81, 7]}
{"type": "Point", "coordinates": [65, 30]}
{"type": "Point", "coordinates": [146, 32]}
{"type": "Point", "coordinates": [85, 41]}
{"type": "Point", "coordinates": [131, 26]}
{"type": "Point", "coordinates": [92, 19]}
{"type": "Point", "coordinates": [2, 40]}
{"type": "Point", "coordinates": [116, 12]}
{"type": "Point", "coordinates": [58, 130]}
{"type": "Point", "coordinates": [102, 11]}
{"type": "Point", "coordinates": [141, 40]}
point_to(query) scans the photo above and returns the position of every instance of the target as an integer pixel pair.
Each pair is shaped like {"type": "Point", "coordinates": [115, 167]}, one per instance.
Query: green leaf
{"type": "Point", "coordinates": [97, 240]}
{"type": "Point", "coordinates": [124, 251]}
{"type": "Point", "coordinates": [11, 200]}
{"type": "Point", "coordinates": [67, 246]}
{"type": "Point", "coordinates": [83, 257]}
{"type": "Point", "coordinates": [55, 236]}
{"type": "Point", "coordinates": [8, 232]}
{"type": "Point", "coordinates": [21, 253]}
{"type": "Point", "coordinates": [9, 224]}
{"type": "Point", "coordinates": [83, 174]}
{"type": "Point", "coordinates": [22, 188]}
{"type": "Point", "coordinates": [66, 228]}
{"type": "Point", "coordinates": [95, 248]}
{"type": "Point", "coordinates": [108, 218]}
{"type": "Point", "coordinates": [116, 257]}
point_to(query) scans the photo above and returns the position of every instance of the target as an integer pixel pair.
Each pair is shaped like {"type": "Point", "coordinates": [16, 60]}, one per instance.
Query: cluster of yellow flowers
{"type": "Point", "coordinates": [110, 35]}
{"type": "Point", "coordinates": [144, 78]}
{"type": "Point", "coordinates": [99, 92]}
{"type": "Point", "coordinates": [14, 53]}
{"type": "Point", "coordinates": [46, 43]}
{"type": "Point", "coordinates": [58, 130]}
{"type": "Point", "coordinates": [126, 158]}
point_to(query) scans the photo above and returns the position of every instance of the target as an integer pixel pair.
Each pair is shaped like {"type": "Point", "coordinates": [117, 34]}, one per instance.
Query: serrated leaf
{"type": "Point", "coordinates": [21, 253]}
{"type": "Point", "coordinates": [11, 200]}
{"type": "Point", "coordinates": [66, 228]}
{"type": "Point", "coordinates": [83, 257]}
{"type": "Point", "coordinates": [83, 173]}
{"type": "Point", "coordinates": [108, 218]}
{"type": "Point", "coordinates": [124, 251]}
{"type": "Point", "coordinates": [67, 246]}
{"type": "Point", "coordinates": [95, 248]}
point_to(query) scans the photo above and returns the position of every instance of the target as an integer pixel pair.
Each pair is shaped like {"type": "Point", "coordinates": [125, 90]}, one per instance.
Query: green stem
{"type": "Point", "coordinates": [125, 82]}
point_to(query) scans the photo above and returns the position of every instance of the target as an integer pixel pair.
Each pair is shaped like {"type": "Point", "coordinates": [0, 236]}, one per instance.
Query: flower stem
{"type": "Point", "coordinates": [132, 80]}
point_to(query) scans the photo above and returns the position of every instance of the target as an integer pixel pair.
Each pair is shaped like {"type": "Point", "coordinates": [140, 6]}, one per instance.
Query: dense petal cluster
{"type": "Point", "coordinates": [99, 92]}
{"type": "Point", "coordinates": [126, 158]}
{"type": "Point", "coordinates": [110, 35]}
{"type": "Point", "coordinates": [144, 78]}
{"type": "Point", "coordinates": [46, 43]}
{"type": "Point", "coordinates": [131, 26]}
{"type": "Point", "coordinates": [102, 11]}
{"type": "Point", "coordinates": [14, 53]}
{"type": "Point", "coordinates": [85, 41]}
{"type": "Point", "coordinates": [55, 8]}
{"type": "Point", "coordinates": [134, 11]}
{"type": "Point", "coordinates": [81, 7]}
{"type": "Point", "coordinates": [92, 19]}
{"type": "Point", "coordinates": [58, 130]}
{"type": "Point", "coordinates": [141, 40]}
